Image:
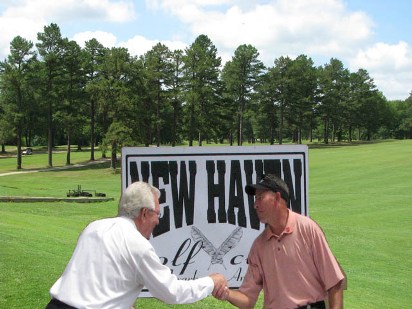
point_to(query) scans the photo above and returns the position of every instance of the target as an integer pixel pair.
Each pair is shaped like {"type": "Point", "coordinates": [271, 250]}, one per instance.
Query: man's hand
{"type": "Point", "coordinates": [220, 288]}
{"type": "Point", "coordinates": [222, 294]}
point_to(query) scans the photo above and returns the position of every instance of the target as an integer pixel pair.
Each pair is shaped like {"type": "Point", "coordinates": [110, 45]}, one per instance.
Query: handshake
{"type": "Point", "coordinates": [220, 290]}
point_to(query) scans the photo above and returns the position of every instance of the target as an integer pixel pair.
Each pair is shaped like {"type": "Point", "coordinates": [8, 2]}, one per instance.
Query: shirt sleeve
{"type": "Point", "coordinates": [328, 267]}
{"type": "Point", "coordinates": [252, 283]}
{"type": "Point", "coordinates": [165, 286]}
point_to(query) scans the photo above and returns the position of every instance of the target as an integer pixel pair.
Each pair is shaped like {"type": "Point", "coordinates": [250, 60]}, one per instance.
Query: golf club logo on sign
{"type": "Point", "coordinates": [207, 221]}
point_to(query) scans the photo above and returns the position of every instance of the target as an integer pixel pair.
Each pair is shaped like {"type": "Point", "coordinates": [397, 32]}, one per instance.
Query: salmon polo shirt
{"type": "Point", "coordinates": [293, 269]}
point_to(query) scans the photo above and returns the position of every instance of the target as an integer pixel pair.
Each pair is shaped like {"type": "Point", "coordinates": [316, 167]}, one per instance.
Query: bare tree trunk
{"type": "Point", "coordinates": [240, 127]}
{"type": "Point", "coordinates": [68, 147]}
{"type": "Point", "coordinates": [281, 125]}
{"type": "Point", "coordinates": [326, 131]}
{"type": "Point", "coordinates": [200, 139]}
{"type": "Point", "coordinates": [19, 149]}
{"type": "Point", "coordinates": [113, 160]}
{"type": "Point", "coordinates": [92, 124]}
{"type": "Point", "coordinates": [50, 136]}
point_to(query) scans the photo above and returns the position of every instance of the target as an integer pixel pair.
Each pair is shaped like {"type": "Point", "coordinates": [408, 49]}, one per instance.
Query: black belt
{"type": "Point", "coordinates": [57, 304]}
{"type": "Point", "coordinates": [317, 305]}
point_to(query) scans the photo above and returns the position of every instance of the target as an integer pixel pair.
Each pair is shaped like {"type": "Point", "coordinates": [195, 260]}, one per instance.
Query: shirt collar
{"type": "Point", "coordinates": [129, 220]}
{"type": "Point", "coordinates": [290, 226]}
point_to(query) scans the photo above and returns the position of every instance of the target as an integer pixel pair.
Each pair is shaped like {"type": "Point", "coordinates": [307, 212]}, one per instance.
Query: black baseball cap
{"type": "Point", "coordinates": [269, 182]}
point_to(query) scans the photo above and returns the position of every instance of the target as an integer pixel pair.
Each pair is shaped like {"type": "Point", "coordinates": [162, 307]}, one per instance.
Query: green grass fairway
{"type": "Point", "coordinates": [360, 194]}
{"type": "Point", "coordinates": [39, 159]}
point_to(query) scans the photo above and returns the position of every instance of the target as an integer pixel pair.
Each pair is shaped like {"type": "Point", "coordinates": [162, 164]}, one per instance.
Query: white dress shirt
{"type": "Point", "coordinates": [110, 265]}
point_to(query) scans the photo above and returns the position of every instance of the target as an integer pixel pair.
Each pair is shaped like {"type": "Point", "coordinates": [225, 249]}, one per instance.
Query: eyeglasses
{"type": "Point", "coordinates": [155, 211]}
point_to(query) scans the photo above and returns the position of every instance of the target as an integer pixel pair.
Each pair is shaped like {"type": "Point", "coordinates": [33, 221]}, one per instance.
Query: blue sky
{"type": "Point", "coordinates": [375, 35]}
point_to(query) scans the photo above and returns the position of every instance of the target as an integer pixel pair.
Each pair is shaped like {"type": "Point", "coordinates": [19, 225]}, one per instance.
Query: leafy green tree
{"type": "Point", "coordinates": [15, 88]}
{"type": "Point", "coordinates": [302, 86]}
{"type": "Point", "coordinates": [404, 115]}
{"type": "Point", "coordinates": [202, 88]}
{"type": "Point", "coordinates": [50, 48]}
{"type": "Point", "coordinates": [367, 108]}
{"type": "Point", "coordinates": [374, 111]}
{"type": "Point", "coordinates": [333, 85]}
{"type": "Point", "coordinates": [176, 95]}
{"type": "Point", "coordinates": [352, 112]}
{"type": "Point", "coordinates": [6, 128]}
{"type": "Point", "coordinates": [72, 111]}
{"type": "Point", "coordinates": [241, 77]}
{"type": "Point", "coordinates": [164, 97]}
{"type": "Point", "coordinates": [361, 89]}
{"type": "Point", "coordinates": [93, 55]}
{"type": "Point", "coordinates": [118, 135]}
{"type": "Point", "coordinates": [281, 91]}
{"type": "Point", "coordinates": [115, 105]}
{"type": "Point", "coordinates": [288, 95]}
{"type": "Point", "coordinates": [264, 117]}
{"type": "Point", "coordinates": [141, 120]}
{"type": "Point", "coordinates": [159, 74]}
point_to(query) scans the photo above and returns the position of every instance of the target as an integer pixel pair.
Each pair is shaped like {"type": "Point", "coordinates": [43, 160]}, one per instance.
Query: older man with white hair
{"type": "Point", "coordinates": [114, 259]}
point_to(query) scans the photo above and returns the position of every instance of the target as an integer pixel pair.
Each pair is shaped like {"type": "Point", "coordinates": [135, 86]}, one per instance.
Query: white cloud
{"type": "Point", "coordinates": [105, 38]}
{"type": "Point", "coordinates": [394, 86]}
{"type": "Point", "coordinates": [28, 17]}
{"type": "Point", "coordinates": [389, 65]}
{"type": "Point", "coordinates": [62, 10]}
{"type": "Point", "coordinates": [276, 28]}
{"type": "Point", "coordinates": [175, 5]}
{"type": "Point", "coordinates": [11, 27]}
{"type": "Point", "coordinates": [385, 56]}
{"type": "Point", "coordinates": [139, 45]}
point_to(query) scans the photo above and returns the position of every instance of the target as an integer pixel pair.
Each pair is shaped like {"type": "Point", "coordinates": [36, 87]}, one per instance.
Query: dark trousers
{"type": "Point", "coordinates": [57, 304]}
{"type": "Point", "coordinates": [317, 305]}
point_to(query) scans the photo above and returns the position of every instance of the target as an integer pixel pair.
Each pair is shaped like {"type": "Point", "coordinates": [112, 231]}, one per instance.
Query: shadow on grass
{"type": "Point", "coordinates": [82, 166]}
{"type": "Point", "coordinates": [345, 144]}
{"type": "Point", "coordinates": [86, 165]}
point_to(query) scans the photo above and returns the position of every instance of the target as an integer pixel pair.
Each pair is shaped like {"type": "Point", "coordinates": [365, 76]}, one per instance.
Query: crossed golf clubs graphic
{"type": "Point", "coordinates": [217, 254]}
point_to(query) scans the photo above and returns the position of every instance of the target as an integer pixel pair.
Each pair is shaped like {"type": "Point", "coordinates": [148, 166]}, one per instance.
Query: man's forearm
{"type": "Point", "coordinates": [335, 296]}
{"type": "Point", "coordinates": [239, 299]}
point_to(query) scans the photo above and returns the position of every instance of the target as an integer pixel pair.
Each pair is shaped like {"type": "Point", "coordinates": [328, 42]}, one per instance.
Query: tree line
{"type": "Point", "coordinates": [61, 94]}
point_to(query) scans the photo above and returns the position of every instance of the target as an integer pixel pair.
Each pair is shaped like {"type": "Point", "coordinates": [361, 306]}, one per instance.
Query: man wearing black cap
{"type": "Point", "coordinates": [290, 260]}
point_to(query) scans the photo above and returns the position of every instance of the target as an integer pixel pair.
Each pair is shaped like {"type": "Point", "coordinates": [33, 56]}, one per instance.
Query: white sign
{"type": "Point", "coordinates": [207, 221]}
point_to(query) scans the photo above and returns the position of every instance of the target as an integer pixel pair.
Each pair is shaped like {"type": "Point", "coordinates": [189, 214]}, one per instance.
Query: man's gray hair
{"type": "Point", "coordinates": [138, 195]}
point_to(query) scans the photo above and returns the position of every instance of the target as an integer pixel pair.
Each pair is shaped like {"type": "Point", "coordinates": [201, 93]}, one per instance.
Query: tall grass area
{"type": "Point", "coordinates": [360, 195]}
